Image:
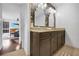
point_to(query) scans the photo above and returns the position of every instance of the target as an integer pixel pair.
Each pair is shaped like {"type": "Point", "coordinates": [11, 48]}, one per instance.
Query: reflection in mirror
{"type": "Point", "coordinates": [39, 16]}
{"type": "Point", "coordinates": [51, 18]}
{"type": "Point", "coordinates": [42, 15]}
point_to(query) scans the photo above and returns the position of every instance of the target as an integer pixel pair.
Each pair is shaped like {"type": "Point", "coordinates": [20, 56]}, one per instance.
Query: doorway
{"type": "Point", "coordinates": [11, 36]}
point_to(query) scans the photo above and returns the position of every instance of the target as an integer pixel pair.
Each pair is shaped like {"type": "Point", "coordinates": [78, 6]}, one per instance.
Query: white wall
{"type": "Point", "coordinates": [67, 16]}
{"type": "Point", "coordinates": [25, 29]}
{"type": "Point", "coordinates": [1, 27]}
{"type": "Point", "coordinates": [10, 11]}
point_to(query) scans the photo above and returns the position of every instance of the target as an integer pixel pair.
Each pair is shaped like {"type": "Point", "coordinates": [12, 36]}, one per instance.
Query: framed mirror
{"type": "Point", "coordinates": [42, 15]}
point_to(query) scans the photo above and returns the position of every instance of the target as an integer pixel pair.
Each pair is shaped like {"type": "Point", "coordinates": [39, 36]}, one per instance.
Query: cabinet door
{"type": "Point", "coordinates": [34, 44]}
{"type": "Point", "coordinates": [45, 47]}
{"type": "Point", "coordinates": [62, 38]}
{"type": "Point", "coordinates": [59, 39]}
{"type": "Point", "coordinates": [31, 43]}
{"type": "Point", "coordinates": [53, 42]}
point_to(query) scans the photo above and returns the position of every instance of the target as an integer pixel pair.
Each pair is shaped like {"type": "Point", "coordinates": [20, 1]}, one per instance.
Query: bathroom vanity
{"type": "Point", "coordinates": [46, 41]}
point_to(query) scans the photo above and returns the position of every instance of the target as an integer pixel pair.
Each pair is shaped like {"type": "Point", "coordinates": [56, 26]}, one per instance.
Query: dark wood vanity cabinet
{"type": "Point", "coordinates": [46, 43]}
{"type": "Point", "coordinates": [44, 47]}
{"type": "Point", "coordinates": [34, 43]}
{"type": "Point", "coordinates": [59, 39]}
{"type": "Point", "coordinates": [53, 42]}
{"type": "Point", "coordinates": [62, 38]}
{"type": "Point", "coordinates": [40, 44]}
{"type": "Point", "coordinates": [44, 39]}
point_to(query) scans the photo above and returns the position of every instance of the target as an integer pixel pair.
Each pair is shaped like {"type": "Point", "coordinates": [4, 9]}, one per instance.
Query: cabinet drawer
{"type": "Point", "coordinates": [45, 35]}
{"type": "Point", "coordinates": [45, 47]}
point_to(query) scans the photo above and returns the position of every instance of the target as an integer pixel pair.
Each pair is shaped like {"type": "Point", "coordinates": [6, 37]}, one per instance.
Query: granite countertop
{"type": "Point", "coordinates": [45, 29]}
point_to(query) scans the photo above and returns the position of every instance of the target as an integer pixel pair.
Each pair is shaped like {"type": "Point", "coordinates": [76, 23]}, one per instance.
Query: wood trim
{"type": "Point", "coordinates": [1, 51]}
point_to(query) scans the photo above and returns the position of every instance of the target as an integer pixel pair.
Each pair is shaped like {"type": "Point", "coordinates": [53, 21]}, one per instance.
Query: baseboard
{"type": "Point", "coordinates": [27, 52]}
